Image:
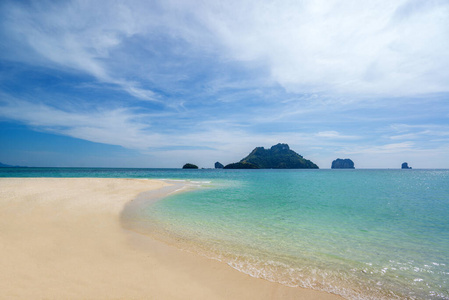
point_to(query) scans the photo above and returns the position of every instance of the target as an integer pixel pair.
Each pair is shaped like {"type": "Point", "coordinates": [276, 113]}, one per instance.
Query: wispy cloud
{"type": "Point", "coordinates": [335, 135]}
{"type": "Point", "coordinates": [327, 77]}
{"type": "Point", "coordinates": [380, 48]}
{"type": "Point", "coordinates": [419, 132]}
{"type": "Point", "coordinates": [383, 149]}
{"type": "Point", "coordinates": [116, 127]}
{"type": "Point", "coordinates": [68, 35]}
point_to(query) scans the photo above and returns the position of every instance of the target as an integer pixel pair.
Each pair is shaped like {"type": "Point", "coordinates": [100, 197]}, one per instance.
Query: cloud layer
{"type": "Point", "coordinates": [328, 77]}
{"type": "Point", "coordinates": [382, 48]}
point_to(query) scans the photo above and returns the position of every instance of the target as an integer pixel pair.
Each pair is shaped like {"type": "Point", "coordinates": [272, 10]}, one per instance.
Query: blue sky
{"type": "Point", "coordinates": [162, 83]}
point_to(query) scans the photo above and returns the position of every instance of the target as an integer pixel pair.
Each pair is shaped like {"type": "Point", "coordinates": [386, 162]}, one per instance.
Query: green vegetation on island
{"type": "Point", "coordinates": [277, 157]}
{"type": "Point", "coordinates": [190, 166]}
{"type": "Point", "coordinates": [241, 165]}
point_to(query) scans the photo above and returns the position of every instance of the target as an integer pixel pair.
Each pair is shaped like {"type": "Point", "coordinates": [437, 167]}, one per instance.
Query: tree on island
{"type": "Point", "coordinates": [190, 166]}
{"type": "Point", "coordinates": [277, 157]}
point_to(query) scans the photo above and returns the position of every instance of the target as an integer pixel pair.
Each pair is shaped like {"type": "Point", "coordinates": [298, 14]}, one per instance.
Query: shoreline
{"type": "Point", "coordinates": [63, 238]}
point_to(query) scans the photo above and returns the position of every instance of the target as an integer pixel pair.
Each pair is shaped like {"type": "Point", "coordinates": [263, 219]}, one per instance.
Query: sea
{"type": "Point", "coordinates": [361, 234]}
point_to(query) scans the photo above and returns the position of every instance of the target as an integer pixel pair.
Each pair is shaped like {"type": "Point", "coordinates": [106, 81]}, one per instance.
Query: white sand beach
{"type": "Point", "coordinates": [61, 238]}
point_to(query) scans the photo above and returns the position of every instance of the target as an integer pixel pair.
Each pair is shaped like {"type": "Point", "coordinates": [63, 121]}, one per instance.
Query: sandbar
{"type": "Point", "coordinates": [61, 238]}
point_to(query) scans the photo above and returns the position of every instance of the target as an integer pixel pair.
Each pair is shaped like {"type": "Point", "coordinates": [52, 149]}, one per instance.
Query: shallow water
{"type": "Point", "coordinates": [363, 234]}
{"type": "Point", "coordinates": [358, 233]}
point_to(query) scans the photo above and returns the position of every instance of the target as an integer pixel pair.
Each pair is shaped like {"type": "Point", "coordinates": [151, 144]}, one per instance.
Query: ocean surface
{"type": "Point", "coordinates": [362, 234]}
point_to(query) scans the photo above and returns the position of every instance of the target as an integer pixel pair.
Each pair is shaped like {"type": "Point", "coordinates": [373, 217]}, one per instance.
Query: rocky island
{"type": "Point", "coordinates": [218, 165]}
{"type": "Point", "coordinates": [342, 164]}
{"type": "Point", "coordinates": [190, 166]}
{"type": "Point", "coordinates": [405, 166]}
{"type": "Point", "coordinates": [277, 157]}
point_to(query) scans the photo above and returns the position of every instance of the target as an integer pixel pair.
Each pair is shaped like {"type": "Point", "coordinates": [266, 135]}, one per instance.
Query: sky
{"type": "Point", "coordinates": [157, 84]}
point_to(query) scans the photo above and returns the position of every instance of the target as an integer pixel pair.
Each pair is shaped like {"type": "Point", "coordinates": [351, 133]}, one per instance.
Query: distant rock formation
{"type": "Point", "coordinates": [218, 165]}
{"type": "Point", "coordinates": [277, 157]}
{"type": "Point", "coordinates": [405, 166]}
{"type": "Point", "coordinates": [190, 166]}
{"type": "Point", "coordinates": [342, 164]}
{"type": "Point", "coordinates": [241, 165]}
{"type": "Point", "coordinates": [9, 166]}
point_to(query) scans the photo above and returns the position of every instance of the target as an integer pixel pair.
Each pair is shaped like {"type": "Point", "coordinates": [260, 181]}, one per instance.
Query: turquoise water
{"type": "Point", "coordinates": [363, 234]}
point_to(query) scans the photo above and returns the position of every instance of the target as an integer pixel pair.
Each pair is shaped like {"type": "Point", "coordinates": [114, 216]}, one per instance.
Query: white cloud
{"type": "Point", "coordinates": [383, 149]}
{"type": "Point", "coordinates": [306, 64]}
{"type": "Point", "coordinates": [407, 136]}
{"type": "Point", "coordinates": [384, 47]}
{"type": "Point", "coordinates": [353, 47]}
{"type": "Point", "coordinates": [335, 135]}
{"type": "Point", "coordinates": [418, 131]}
{"type": "Point", "coordinates": [222, 141]}
{"type": "Point", "coordinates": [75, 35]}
{"type": "Point", "coordinates": [123, 127]}
{"type": "Point", "coordinates": [109, 126]}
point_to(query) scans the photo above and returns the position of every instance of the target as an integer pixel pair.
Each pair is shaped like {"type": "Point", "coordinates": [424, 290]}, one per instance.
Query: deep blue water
{"type": "Point", "coordinates": [359, 233]}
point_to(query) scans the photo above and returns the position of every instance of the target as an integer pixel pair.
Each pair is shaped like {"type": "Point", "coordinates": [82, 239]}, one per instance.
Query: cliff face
{"type": "Point", "coordinates": [343, 164]}
{"type": "Point", "coordinates": [277, 157]}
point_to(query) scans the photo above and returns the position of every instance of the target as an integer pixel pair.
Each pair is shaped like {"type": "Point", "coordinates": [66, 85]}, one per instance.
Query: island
{"type": "Point", "coordinates": [277, 157]}
{"type": "Point", "coordinates": [342, 164]}
{"type": "Point", "coordinates": [190, 166]}
{"type": "Point", "coordinates": [2, 165]}
{"type": "Point", "coordinates": [241, 165]}
{"type": "Point", "coordinates": [405, 166]}
{"type": "Point", "coordinates": [218, 165]}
